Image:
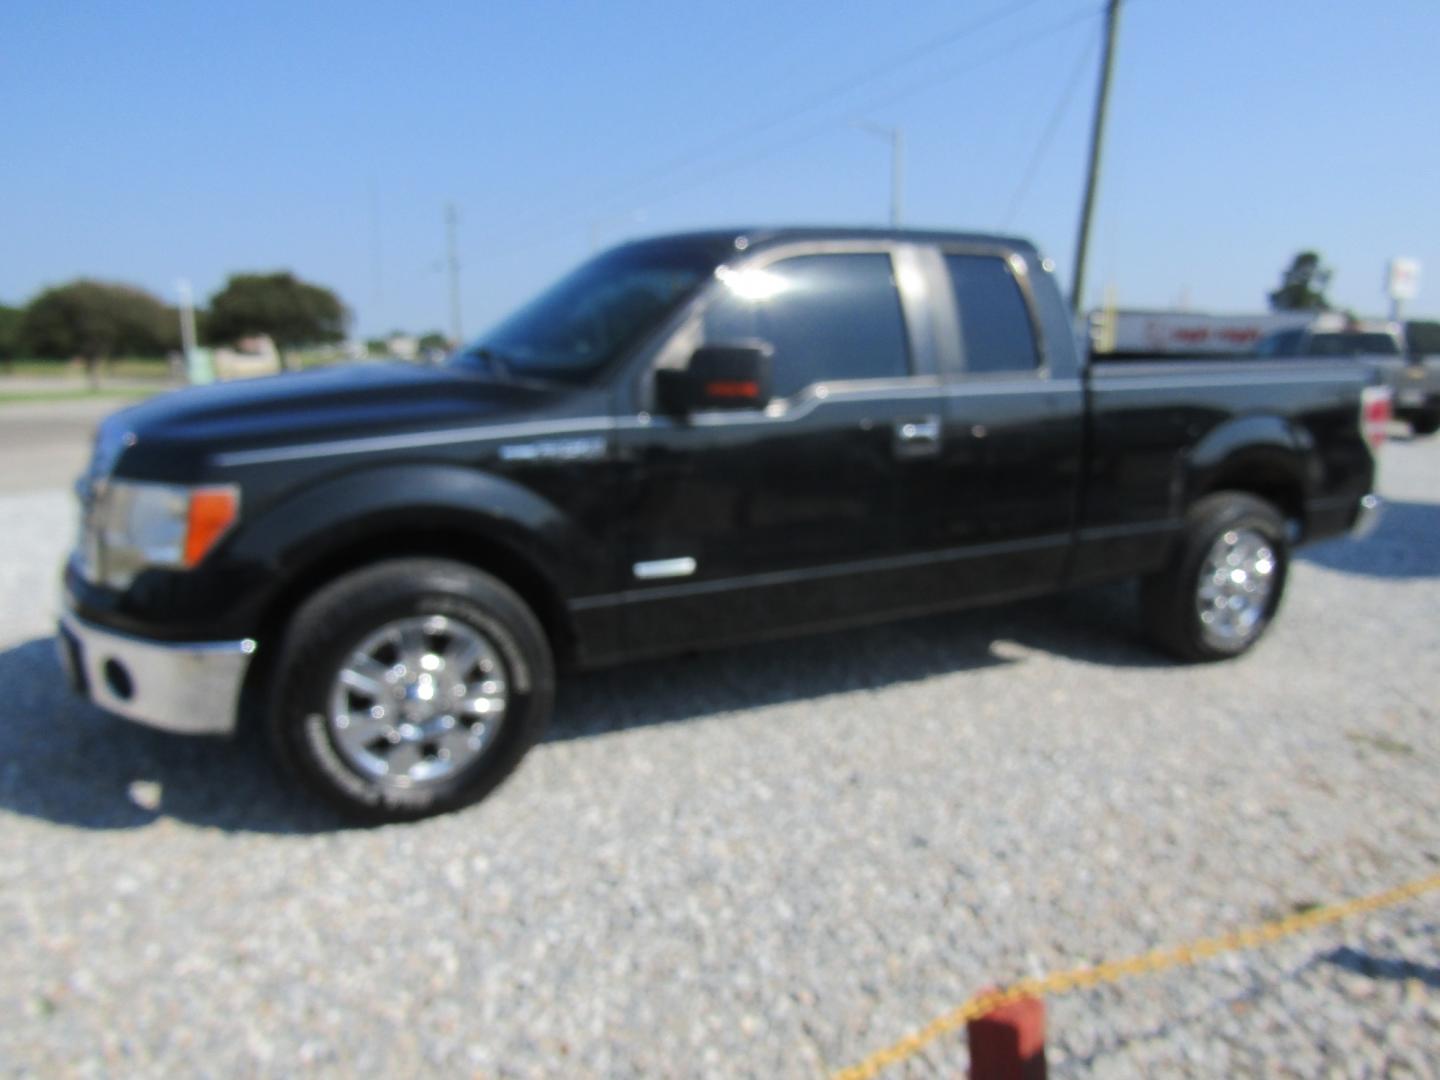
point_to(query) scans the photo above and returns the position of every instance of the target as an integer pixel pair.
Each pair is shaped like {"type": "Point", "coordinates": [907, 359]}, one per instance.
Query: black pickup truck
{"type": "Point", "coordinates": [690, 440]}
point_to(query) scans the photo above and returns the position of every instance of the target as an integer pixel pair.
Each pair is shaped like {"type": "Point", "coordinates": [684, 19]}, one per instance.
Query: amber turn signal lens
{"type": "Point", "coordinates": [212, 511]}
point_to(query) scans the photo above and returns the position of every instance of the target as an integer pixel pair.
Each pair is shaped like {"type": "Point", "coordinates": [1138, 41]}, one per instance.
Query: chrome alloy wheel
{"type": "Point", "coordinates": [418, 700]}
{"type": "Point", "coordinates": [1233, 593]}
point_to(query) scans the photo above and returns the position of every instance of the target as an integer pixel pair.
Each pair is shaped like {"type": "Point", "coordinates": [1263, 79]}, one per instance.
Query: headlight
{"type": "Point", "coordinates": [129, 527]}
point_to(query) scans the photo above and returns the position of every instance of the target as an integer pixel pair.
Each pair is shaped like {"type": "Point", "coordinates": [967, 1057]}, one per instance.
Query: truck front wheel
{"type": "Point", "coordinates": [1224, 581]}
{"type": "Point", "coordinates": [410, 687]}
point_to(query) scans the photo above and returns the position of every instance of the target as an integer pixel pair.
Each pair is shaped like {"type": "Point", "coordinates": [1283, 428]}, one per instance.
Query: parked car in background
{"type": "Point", "coordinates": [690, 441]}
{"type": "Point", "coordinates": [1414, 380]}
{"type": "Point", "coordinates": [1328, 338]}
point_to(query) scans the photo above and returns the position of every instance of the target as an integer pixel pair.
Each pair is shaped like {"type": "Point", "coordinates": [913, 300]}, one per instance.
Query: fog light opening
{"type": "Point", "coordinates": [117, 678]}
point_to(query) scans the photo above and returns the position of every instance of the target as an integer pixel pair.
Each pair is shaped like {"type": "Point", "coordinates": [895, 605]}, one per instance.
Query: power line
{"type": "Point", "coordinates": [734, 164]}
{"type": "Point", "coordinates": [808, 134]}
{"type": "Point", "coordinates": [681, 162]}
{"type": "Point", "coordinates": [1067, 95]}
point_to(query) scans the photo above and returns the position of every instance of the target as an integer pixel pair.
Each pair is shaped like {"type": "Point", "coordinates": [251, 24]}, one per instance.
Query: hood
{"type": "Point", "coordinates": [314, 406]}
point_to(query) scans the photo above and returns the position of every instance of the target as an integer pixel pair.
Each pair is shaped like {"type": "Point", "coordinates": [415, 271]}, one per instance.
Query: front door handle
{"type": "Point", "coordinates": [917, 437]}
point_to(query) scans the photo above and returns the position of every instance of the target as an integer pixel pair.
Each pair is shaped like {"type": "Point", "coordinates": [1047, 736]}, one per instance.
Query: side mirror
{"type": "Point", "coordinates": [717, 377]}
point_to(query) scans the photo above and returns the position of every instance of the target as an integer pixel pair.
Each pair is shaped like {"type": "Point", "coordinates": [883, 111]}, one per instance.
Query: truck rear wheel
{"type": "Point", "coordinates": [410, 687]}
{"type": "Point", "coordinates": [1223, 585]}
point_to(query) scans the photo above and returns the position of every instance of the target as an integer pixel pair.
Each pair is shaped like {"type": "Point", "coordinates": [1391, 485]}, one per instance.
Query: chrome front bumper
{"type": "Point", "coordinates": [188, 687]}
{"type": "Point", "coordinates": [1368, 516]}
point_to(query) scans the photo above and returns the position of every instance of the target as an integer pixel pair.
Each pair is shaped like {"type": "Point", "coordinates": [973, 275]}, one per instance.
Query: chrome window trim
{"type": "Point", "coordinates": [923, 387]}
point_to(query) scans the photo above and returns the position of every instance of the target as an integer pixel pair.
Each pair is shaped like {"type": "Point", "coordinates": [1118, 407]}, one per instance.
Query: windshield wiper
{"type": "Point", "coordinates": [497, 362]}
{"type": "Point", "coordinates": [501, 366]}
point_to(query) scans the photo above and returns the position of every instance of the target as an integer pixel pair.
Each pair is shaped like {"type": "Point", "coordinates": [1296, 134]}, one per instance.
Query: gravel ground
{"type": "Point", "coordinates": [768, 861]}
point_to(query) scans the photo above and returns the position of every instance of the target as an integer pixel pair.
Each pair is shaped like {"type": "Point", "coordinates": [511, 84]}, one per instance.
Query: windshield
{"type": "Point", "coordinates": [599, 310]}
{"type": "Point", "coordinates": [1282, 343]}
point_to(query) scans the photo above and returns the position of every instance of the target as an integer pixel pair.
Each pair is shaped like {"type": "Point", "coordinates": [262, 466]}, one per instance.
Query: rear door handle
{"type": "Point", "coordinates": [917, 437]}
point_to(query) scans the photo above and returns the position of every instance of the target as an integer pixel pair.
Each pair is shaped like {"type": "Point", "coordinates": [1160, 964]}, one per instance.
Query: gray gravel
{"type": "Point", "coordinates": [768, 861]}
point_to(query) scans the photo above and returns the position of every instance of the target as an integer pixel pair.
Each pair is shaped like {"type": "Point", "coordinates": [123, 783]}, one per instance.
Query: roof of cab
{"type": "Point", "coordinates": [766, 235]}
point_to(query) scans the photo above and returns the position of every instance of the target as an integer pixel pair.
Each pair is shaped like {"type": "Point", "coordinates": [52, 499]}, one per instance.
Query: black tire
{"type": "Point", "coordinates": [1168, 599]}
{"type": "Point", "coordinates": [1425, 423]}
{"type": "Point", "coordinates": [332, 623]}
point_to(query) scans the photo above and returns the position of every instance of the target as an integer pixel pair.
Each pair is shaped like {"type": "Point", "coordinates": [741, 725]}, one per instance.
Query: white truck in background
{"type": "Point", "coordinates": [1122, 332]}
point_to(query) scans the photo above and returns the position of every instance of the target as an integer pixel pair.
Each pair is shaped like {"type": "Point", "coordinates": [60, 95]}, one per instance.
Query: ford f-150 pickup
{"type": "Point", "coordinates": [689, 441]}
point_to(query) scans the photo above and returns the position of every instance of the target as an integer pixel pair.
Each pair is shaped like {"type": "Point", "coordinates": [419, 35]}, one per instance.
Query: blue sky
{"type": "Point", "coordinates": [151, 141]}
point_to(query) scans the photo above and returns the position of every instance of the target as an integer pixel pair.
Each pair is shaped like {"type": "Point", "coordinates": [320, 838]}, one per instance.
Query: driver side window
{"type": "Point", "coordinates": [829, 317]}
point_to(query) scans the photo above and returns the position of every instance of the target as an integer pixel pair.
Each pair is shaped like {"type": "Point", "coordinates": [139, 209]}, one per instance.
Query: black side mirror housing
{"type": "Point", "coordinates": [717, 377]}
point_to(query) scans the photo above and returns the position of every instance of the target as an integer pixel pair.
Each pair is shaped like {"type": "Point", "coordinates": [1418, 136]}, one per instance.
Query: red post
{"type": "Point", "coordinates": [1008, 1043]}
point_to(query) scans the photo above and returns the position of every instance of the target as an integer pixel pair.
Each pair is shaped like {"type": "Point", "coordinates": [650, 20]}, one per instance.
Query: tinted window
{"type": "Point", "coordinates": [995, 328]}
{"type": "Point", "coordinates": [1353, 343]}
{"type": "Point", "coordinates": [829, 317]}
{"type": "Point", "coordinates": [599, 310]}
{"type": "Point", "coordinates": [1284, 343]}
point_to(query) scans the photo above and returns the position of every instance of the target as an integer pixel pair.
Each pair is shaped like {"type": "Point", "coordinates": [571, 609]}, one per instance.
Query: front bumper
{"type": "Point", "coordinates": [188, 687]}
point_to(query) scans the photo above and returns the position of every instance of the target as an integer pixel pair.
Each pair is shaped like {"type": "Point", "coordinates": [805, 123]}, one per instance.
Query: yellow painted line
{"type": "Point", "coordinates": [1148, 963]}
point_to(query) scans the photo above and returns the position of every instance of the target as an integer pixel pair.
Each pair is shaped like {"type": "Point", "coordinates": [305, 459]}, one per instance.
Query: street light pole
{"type": "Point", "coordinates": [452, 220]}
{"type": "Point", "coordinates": [187, 317]}
{"type": "Point", "coordinates": [1097, 139]}
{"type": "Point", "coordinates": [896, 138]}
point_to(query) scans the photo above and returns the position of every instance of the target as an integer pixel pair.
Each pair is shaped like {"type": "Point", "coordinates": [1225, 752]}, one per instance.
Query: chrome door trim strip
{"type": "Point", "coordinates": [1136, 383]}
{"type": "Point", "coordinates": [415, 440]}
{"type": "Point", "coordinates": [797, 576]}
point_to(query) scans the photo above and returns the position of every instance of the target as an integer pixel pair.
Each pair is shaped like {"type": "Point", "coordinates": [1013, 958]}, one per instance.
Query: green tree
{"type": "Point", "coordinates": [9, 334]}
{"type": "Point", "coordinates": [434, 340]}
{"type": "Point", "coordinates": [1302, 285]}
{"type": "Point", "coordinates": [377, 346]}
{"type": "Point", "coordinates": [96, 320]}
{"type": "Point", "coordinates": [291, 311]}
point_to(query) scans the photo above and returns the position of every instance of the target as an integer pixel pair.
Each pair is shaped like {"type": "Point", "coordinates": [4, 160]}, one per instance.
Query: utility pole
{"type": "Point", "coordinates": [1097, 140]}
{"type": "Point", "coordinates": [896, 137]}
{"type": "Point", "coordinates": [195, 371]}
{"type": "Point", "coordinates": [452, 220]}
{"type": "Point", "coordinates": [187, 317]}
{"type": "Point", "coordinates": [377, 259]}
{"type": "Point", "coordinates": [897, 175]}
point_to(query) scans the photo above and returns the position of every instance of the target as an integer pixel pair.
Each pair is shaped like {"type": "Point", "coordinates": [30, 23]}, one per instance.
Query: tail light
{"type": "Point", "coordinates": [1375, 414]}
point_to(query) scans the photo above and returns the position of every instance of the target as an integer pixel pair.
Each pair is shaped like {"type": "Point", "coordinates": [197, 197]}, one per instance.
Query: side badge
{"type": "Point", "coordinates": [665, 568]}
{"type": "Point", "coordinates": [589, 448]}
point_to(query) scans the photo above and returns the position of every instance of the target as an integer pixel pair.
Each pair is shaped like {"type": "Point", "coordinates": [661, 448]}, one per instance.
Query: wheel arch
{"type": "Point", "coordinates": [408, 539]}
{"type": "Point", "coordinates": [1260, 455]}
{"type": "Point", "coordinates": [319, 534]}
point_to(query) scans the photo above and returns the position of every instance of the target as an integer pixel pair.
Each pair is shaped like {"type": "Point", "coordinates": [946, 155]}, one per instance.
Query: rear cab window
{"type": "Point", "coordinates": [996, 327]}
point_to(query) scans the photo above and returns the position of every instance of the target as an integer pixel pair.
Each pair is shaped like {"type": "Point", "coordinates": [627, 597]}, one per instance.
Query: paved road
{"type": "Point", "coordinates": [767, 861]}
{"type": "Point", "coordinates": [43, 445]}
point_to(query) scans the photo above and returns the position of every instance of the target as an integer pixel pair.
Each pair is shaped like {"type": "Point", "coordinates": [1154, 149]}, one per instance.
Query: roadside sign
{"type": "Point", "coordinates": [1402, 279]}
